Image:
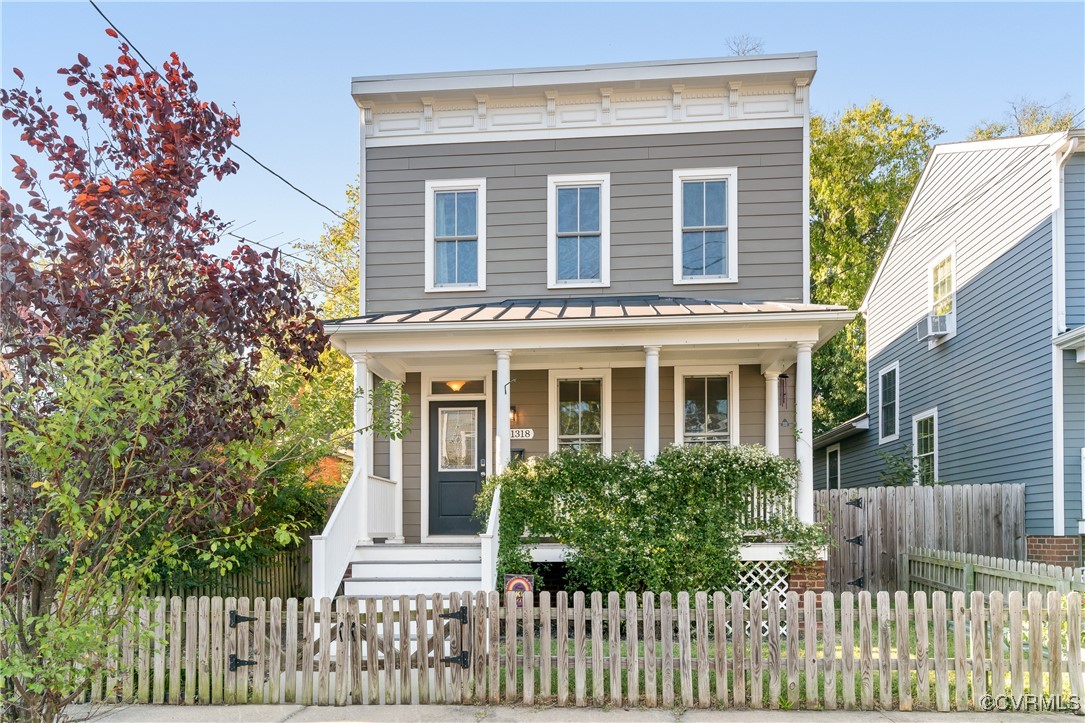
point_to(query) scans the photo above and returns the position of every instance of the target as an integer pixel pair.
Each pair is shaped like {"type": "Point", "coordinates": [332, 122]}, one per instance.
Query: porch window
{"type": "Point", "coordinates": [705, 211]}
{"type": "Point", "coordinates": [832, 467]}
{"type": "Point", "coordinates": [925, 447]}
{"type": "Point", "coordinates": [888, 396]}
{"type": "Point", "coordinates": [580, 414]}
{"type": "Point", "coordinates": [707, 420]}
{"type": "Point", "coordinates": [578, 220]}
{"type": "Point", "coordinates": [455, 235]}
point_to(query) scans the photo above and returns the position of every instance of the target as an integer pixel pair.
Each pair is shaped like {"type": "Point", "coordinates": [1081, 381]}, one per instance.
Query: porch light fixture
{"type": "Point", "coordinates": [512, 415]}
{"type": "Point", "coordinates": [455, 385]}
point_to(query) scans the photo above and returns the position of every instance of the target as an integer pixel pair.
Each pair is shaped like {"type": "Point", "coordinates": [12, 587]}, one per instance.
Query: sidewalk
{"type": "Point", "coordinates": [505, 714]}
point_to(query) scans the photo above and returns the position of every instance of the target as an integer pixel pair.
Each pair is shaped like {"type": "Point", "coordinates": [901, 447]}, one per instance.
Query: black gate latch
{"type": "Point", "coordinates": [461, 616]}
{"type": "Point", "coordinates": [235, 619]}
{"type": "Point", "coordinates": [236, 662]}
{"type": "Point", "coordinates": [463, 658]}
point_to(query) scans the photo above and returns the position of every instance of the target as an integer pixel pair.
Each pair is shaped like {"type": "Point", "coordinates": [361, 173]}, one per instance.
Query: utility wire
{"type": "Point", "coordinates": [253, 158]}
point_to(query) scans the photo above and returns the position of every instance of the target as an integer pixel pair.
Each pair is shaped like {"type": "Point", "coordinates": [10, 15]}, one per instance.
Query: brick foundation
{"type": "Point", "coordinates": [1063, 551]}
{"type": "Point", "coordinates": [808, 577]}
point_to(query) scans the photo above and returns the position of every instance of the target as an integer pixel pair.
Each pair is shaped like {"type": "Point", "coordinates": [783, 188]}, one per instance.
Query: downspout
{"type": "Point", "coordinates": [1058, 324]}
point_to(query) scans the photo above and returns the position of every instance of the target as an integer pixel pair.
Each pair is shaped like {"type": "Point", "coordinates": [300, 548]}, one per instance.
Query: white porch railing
{"type": "Point", "coordinates": [333, 548]}
{"type": "Point", "coordinates": [490, 543]}
{"type": "Point", "coordinates": [382, 507]}
{"type": "Point", "coordinates": [763, 508]}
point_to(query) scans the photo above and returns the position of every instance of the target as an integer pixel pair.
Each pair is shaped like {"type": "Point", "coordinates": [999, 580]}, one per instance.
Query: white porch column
{"type": "Point", "coordinates": [395, 472]}
{"type": "Point", "coordinates": [504, 409]}
{"type": "Point", "coordinates": [651, 402]}
{"type": "Point", "coordinates": [361, 440]}
{"type": "Point", "coordinates": [804, 436]}
{"type": "Point", "coordinates": [772, 412]}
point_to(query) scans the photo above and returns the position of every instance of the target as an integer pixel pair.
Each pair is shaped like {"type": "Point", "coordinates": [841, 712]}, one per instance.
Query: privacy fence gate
{"type": "Point", "coordinates": [903, 651]}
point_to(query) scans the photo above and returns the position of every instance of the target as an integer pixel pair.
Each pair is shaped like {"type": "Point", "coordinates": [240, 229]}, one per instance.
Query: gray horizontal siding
{"type": "Point", "coordinates": [1075, 240]}
{"type": "Point", "coordinates": [641, 167]}
{"type": "Point", "coordinates": [991, 383]}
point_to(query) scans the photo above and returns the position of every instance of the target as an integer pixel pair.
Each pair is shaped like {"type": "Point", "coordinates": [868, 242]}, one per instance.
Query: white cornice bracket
{"type": "Point", "coordinates": [367, 116]}
{"type": "Point", "coordinates": [676, 101]}
{"type": "Point", "coordinates": [734, 87]}
{"type": "Point", "coordinates": [801, 84]}
{"type": "Point", "coordinates": [551, 108]}
{"type": "Point", "coordinates": [481, 100]}
{"type": "Point", "coordinates": [605, 93]}
{"type": "Point", "coordinates": [427, 114]}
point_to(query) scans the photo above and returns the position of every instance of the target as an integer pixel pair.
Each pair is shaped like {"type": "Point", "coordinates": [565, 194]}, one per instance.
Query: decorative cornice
{"type": "Point", "coordinates": [427, 114]}
{"type": "Point", "coordinates": [734, 86]}
{"type": "Point", "coordinates": [481, 101]}
{"type": "Point", "coordinates": [551, 108]}
{"type": "Point", "coordinates": [676, 101]}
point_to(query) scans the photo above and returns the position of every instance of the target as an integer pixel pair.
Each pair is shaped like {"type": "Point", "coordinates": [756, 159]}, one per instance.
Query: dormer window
{"type": "Point", "coordinates": [578, 231]}
{"type": "Point", "coordinates": [456, 235]}
{"type": "Point", "coordinates": [705, 234]}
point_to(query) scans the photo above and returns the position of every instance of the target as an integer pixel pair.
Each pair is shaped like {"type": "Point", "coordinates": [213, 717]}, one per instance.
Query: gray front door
{"type": "Point", "coordinates": [457, 465]}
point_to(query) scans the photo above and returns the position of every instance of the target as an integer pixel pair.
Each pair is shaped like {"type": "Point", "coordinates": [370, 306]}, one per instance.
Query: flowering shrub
{"type": "Point", "coordinates": [675, 523]}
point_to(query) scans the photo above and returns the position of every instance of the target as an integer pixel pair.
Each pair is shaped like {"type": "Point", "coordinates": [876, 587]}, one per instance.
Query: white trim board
{"type": "Point", "coordinates": [839, 466]}
{"type": "Point", "coordinates": [894, 367]}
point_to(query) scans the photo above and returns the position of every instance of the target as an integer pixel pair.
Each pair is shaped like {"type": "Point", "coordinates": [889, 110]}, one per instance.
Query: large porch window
{"type": "Point", "coordinates": [706, 405]}
{"type": "Point", "coordinates": [580, 410]}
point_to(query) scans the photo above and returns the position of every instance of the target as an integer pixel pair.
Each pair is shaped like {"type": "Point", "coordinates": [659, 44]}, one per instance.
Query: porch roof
{"type": "Point", "coordinates": [580, 308]}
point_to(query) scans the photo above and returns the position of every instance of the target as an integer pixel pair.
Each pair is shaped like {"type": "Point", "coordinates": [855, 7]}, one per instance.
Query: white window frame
{"type": "Point", "coordinates": [931, 413]}
{"type": "Point", "coordinates": [894, 367]}
{"type": "Point", "coordinates": [553, 183]}
{"type": "Point", "coordinates": [707, 174]}
{"type": "Point", "coordinates": [951, 320]}
{"type": "Point", "coordinates": [463, 184]}
{"type": "Point", "coordinates": [681, 372]}
{"type": "Point", "coordinates": [839, 467]}
{"type": "Point", "coordinates": [557, 375]}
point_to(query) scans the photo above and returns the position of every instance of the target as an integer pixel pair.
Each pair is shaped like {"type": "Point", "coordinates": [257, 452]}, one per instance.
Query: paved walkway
{"type": "Point", "coordinates": [502, 714]}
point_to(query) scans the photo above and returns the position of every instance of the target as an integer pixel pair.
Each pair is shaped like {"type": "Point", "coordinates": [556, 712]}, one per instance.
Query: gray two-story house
{"type": "Point", "coordinates": [976, 336]}
{"type": "Point", "coordinates": [608, 257]}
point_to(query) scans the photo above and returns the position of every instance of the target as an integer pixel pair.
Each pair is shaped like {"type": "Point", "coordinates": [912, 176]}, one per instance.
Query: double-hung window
{"type": "Point", "coordinates": [705, 228]}
{"type": "Point", "coordinates": [942, 296]}
{"type": "Point", "coordinates": [455, 235]}
{"type": "Point", "coordinates": [578, 231]}
{"type": "Point", "coordinates": [832, 467]}
{"type": "Point", "coordinates": [888, 403]}
{"type": "Point", "coordinates": [925, 446]}
{"type": "Point", "coordinates": [706, 409]}
{"type": "Point", "coordinates": [580, 410]}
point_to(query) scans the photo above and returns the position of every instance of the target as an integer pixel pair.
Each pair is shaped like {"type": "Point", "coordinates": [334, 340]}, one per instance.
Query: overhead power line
{"type": "Point", "coordinates": [253, 158]}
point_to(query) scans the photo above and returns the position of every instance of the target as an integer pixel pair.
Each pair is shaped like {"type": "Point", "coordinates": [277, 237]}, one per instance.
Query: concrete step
{"type": "Point", "coordinates": [420, 553]}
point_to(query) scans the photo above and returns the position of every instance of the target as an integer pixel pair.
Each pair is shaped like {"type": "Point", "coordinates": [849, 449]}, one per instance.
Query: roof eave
{"type": "Point", "coordinates": [842, 431]}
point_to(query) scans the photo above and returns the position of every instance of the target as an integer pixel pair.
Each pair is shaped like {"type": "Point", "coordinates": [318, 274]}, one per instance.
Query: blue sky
{"type": "Point", "coordinates": [286, 67]}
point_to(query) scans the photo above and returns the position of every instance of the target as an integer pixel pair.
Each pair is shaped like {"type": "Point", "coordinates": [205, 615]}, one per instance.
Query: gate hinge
{"type": "Point", "coordinates": [235, 619]}
{"type": "Point", "coordinates": [857, 582]}
{"type": "Point", "coordinates": [855, 502]}
{"type": "Point", "coordinates": [461, 615]}
{"type": "Point", "coordinates": [463, 658]}
{"type": "Point", "coordinates": [857, 540]}
{"type": "Point", "coordinates": [236, 662]}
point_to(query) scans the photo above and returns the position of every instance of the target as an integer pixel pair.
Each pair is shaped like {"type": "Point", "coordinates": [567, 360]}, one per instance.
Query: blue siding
{"type": "Point", "coordinates": [1073, 376]}
{"type": "Point", "coordinates": [1075, 240]}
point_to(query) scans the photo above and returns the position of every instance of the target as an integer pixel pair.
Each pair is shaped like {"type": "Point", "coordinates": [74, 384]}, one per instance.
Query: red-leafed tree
{"type": "Point", "coordinates": [132, 402]}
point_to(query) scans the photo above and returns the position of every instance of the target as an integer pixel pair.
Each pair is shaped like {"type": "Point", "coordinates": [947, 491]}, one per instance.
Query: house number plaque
{"type": "Point", "coordinates": [522, 434]}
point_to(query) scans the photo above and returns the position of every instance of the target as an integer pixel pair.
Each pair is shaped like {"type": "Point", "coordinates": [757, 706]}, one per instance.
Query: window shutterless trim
{"type": "Point", "coordinates": [706, 370]}
{"type": "Point", "coordinates": [828, 467]}
{"type": "Point", "coordinates": [432, 188]}
{"type": "Point", "coordinates": [894, 367]}
{"type": "Point", "coordinates": [730, 175]}
{"type": "Point", "coordinates": [949, 254]}
{"type": "Point", "coordinates": [553, 183]}
{"type": "Point", "coordinates": [932, 414]}
{"type": "Point", "coordinates": [557, 375]}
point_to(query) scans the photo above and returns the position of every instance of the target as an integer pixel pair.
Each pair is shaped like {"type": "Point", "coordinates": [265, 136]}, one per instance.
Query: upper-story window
{"type": "Point", "coordinates": [456, 235]}
{"type": "Point", "coordinates": [578, 230]}
{"type": "Point", "coordinates": [705, 226]}
{"type": "Point", "coordinates": [942, 297]}
{"type": "Point", "coordinates": [889, 403]}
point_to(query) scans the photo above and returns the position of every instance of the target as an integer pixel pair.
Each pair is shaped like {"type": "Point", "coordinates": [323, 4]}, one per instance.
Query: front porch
{"type": "Point", "coordinates": [486, 391]}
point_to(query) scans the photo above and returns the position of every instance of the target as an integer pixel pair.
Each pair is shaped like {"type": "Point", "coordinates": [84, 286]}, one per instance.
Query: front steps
{"type": "Point", "coordinates": [394, 570]}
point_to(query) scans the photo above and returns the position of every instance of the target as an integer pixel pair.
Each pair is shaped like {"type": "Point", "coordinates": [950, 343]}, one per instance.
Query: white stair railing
{"type": "Point", "coordinates": [333, 548]}
{"type": "Point", "coordinates": [491, 543]}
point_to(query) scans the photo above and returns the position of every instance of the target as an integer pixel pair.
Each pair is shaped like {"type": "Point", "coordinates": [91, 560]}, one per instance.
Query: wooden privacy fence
{"type": "Point", "coordinates": [931, 570]}
{"type": "Point", "coordinates": [881, 523]}
{"type": "Point", "coordinates": [284, 574]}
{"type": "Point", "coordinates": [856, 651]}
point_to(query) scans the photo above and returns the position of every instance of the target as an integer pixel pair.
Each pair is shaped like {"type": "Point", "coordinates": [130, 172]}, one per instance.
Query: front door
{"type": "Point", "coordinates": [457, 465]}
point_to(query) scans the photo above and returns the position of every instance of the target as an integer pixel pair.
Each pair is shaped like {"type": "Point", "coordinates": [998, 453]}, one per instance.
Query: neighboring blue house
{"type": "Point", "coordinates": [976, 335]}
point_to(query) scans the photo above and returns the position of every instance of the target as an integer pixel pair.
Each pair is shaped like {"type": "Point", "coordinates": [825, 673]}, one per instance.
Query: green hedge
{"type": "Point", "coordinates": [675, 523]}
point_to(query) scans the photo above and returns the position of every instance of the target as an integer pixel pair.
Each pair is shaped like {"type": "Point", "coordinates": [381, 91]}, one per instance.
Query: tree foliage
{"type": "Point", "coordinates": [863, 167]}
{"type": "Point", "coordinates": [1027, 117]}
{"type": "Point", "coordinates": [134, 407]}
{"type": "Point", "coordinates": [675, 523]}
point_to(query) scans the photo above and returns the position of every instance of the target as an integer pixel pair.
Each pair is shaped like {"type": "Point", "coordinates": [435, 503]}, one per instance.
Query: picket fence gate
{"type": "Point", "coordinates": [813, 651]}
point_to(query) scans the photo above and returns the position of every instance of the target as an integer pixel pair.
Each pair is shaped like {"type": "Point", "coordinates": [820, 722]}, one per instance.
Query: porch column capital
{"type": "Point", "coordinates": [772, 376]}
{"type": "Point", "coordinates": [652, 350]}
{"type": "Point", "coordinates": [503, 353]}
{"type": "Point", "coordinates": [806, 346]}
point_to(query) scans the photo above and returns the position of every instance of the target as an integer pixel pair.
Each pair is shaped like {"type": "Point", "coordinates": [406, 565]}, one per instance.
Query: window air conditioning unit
{"type": "Point", "coordinates": [933, 326]}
